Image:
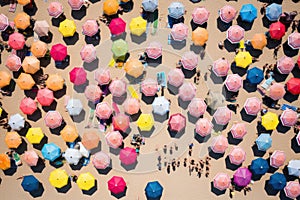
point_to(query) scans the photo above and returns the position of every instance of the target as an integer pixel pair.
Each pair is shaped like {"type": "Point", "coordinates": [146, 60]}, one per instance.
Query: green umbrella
{"type": "Point", "coordinates": [119, 48]}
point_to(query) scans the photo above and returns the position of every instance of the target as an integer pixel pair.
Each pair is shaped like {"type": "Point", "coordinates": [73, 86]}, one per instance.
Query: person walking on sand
{"type": "Point", "coordinates": [275, 52]}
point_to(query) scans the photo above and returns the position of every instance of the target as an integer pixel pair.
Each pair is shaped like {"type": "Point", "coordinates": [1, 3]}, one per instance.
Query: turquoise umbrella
{"type": "Point", "coordinates": [264, 142]}
{"type": "Point", "coordinates": [248, 13]}
{"type": "Point", "coordinates": [51, 151]}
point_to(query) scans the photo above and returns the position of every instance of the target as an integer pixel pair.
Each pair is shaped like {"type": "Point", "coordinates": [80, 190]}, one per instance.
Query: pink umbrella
{"type": "Point", "coordinates": [288, 117]}
{"type": "Point", "coordinates": [177, 122]}
{"type": "Point", "coordinates": [53, 119]}
{"type": "Point", "coordinates": [93, 93]}
{"type": "Point", "coordinates": [197, 107]}
{"type": "Point", "coordinates": [128, 156]}
{"type": "Point", "coordinates": [221, 67]}
{"type": "Point", "coordinates": [90, 28]}
{"type": "Point", "coordinates": [149, 87]}
{"type": "Point", "coordinates": [78, 75]}
{"type": "Point", "coordinates": [227, 13]}
{"type": "Point", "coordinates": [121, 122]}
{"type": "Point", "coordinates": [252, 106]}
{"type": "Point", "coordinates": [101, 160]}
{"type": "Point", "coordinates": [276, 91]}
{"type": "Point", "coordinates": [102, 76]}
{"type": "Point", "coordinates": [235, 34]}
{"type": "Point", "coordinates": [76, 4]}
{"type": "Point", "coordinates": [31, 158]}
{"type": "Point", "coordinates": [292, 189]}
{"type": "Point", "coordinates": [237, 155]}
{"type": "Point", "coordinates": [179, 32]}
{"type": "Point", "coordinates": [277, 159]}
{"type": "Point", "coordinates": [132, 106]}
{"type": "Point", "coordinates": [176, 77]}
{"type": "Point", "coordinates": [203, 127]}
{"type": "Point", "coordinates": [238, 130]}
{"type": "Point", "coordinates": [116, 185]}
{"type": "Point", "coordinates": [3, 22]}
{"type": "Point", "coordinates": [28, 106]}
{"type": "Point", "coordinates": [13, 62]}
{"type": "Point", "coordinates": [88, 53]}
{"type": "Point", "coordinates": [285, 65]}
{"type": "Point", "coordinates": [154, 50]}
{"type": "Point", "coordinates": [219, 144]}
{"type": "Point", "coordinates": [200, 15]}
{"type": "Point", "coordinates": [45, 97]}
{"type": "Point", "coordinates": [117, 26]}
{"type": "Point", "coordinates": [233, 82]}
{"type": "Point", "coordinates": [294, 40]}
{"type": "Point", "coordinates": [114, 139]}
{"type": "Point", "coordinates": [58, 52]}
{"type": "Point", "coordinates": [222, 181]}
{"type": "Point", "coordinates": [187, 91]}
{"type": "Point", "coordinates": [103, 110]}
{"type": "Point", "coordinates": [222, 116]}
{"type": "Point", "coordinates": [55, 9]}
{"type": "Point", "coordinates": [189, 60]}
{"type": "Point", "coordinates": [117, 88]}
{"type": "Point", "coordinates": [16, 41]}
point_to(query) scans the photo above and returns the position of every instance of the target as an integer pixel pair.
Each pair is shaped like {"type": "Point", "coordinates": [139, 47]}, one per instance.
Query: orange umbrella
{"type": "Point", "coordinates": [5, 79]}
{"type": "Point", "coordinates": [134, 67]}
{"type": "Point", "coordinates": [25, 81]}
{"type": "Point", "coordinates": [199, 36]}
{"type": "Point", "coordinates": [13, 139]}
{"type": "Point", "coordinates": [22, 20]}
{"type": "Point", "coordinates": [31, 64]}
{"type": "Point", "coordinates": [31, 158]}
{"type": "Point", "coordinates": [276, 91]}
{"type": "Point", "coordinates": [55, 82]}
{"type": "Point", "coordinates": [90, 140]}
{"type": "Point", "coordinates": [39, 49]}
{"type": "Point", "coordinates": [69, 133]}
{"type": "Point", "coordinates": [110, 7]}
{"type": "Point", "coordinates": [23, 2]}
{"type": "Point", "coordinates": [259, 41]}
{"type": "Point", "coordinates": [4, 161]}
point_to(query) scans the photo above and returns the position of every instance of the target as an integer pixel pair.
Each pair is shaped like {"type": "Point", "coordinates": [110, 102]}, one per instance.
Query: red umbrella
{"type": "Point", "coordinates": [114, 139]}
{"type": "Point", "coordinates": [293, 86]}
{"type": "Point", "coordinates": [16, 41]}
{"type": "Point", "coordinates": [203, 127]}
{"type": "Point", "coordinates": [200, 15]}
{"type": "Point", "coordinates": [128, 156]}
{"type": "Point", "coordinates": [277, 30]}
{"type": "Point", "coordinates": [90, 28]}
{"type": "Point", "coordinates": [53, 119]}
{"type": "Point", "coordinates": [276, 91]}
{"type": "Point", "coordinates": [294, 40]}
{"type": "Point", "coordinates": [235, 34]}
{"type": "Point", "coordinates": [222, 116]}
{"type": "Point", "coordinates": [88, 53]}
{"type": "Point", "coordinates": [121, 122]}
{"type": "Point", "coordinates": [237, 155]}
{"type": "Point", "coordinates": [221, 67]}
{"type": "Point", "coordinates": [117, 26]}
{"type": "Point", "coordinates": [233, 82]}
{"type": "Point", "coordinates": [28, 106]}
{"type": "Point", "coordinates": [103, 110]}
{"type": "Point", "coordinates": [3, 22]}
{"type": "Point", "coordinates": [189, 60]}
{"type": "Point", "coordinates": [45, 97]}
{"type": "Point", "coordinates": [285, 65]}
{"type": "Point", "coordinates": [55, 9]}
{"type": "Point", "coordinates": [176, 77]}
{"type": "Point", "coordinates": [117, 88]}
{"type": "Point", "coordinates": [132, 106]}
{"type": "Point", "coordinates": [298, 61]}
{"type": "Point", "coordinates": [219, 144]}
{"type": "Point", "coordinates": [197, 107]}
{"type": "Point", "coordinates": [187, 91]}
{"type": "Point", "coordinates": [277, 159]}
{"type": "Point", "coordinates": [93, 93]}
{"type": "Point", "coordinates": [238, 130]}
{"type": "Point", "coordinates": [13, 62]}
{"type": "Point", "coordinates": [101, 160]}
{"type": "Point", "coordinates": [78, 75]}
{"type": "Point", "coordinates": [252, 106]}
{"type": "Point", "coordinates": [222, 181]}
{"type": "Point", "coordinates": [58, 52]}
{"type": "Point", "coordinates": [288, 117]}
{"type": "Point", "coordinates": [154, 50]}
{"type": "Point", "coordinates": [116, 185]}
{"type": "Point", "coordinates": [102, 76]}
{"type": "Point", "coordinates": [149, 87]}
{"type": "Point", "coordinates": [179, 32]}
{"type": "Point", "coordinates": [227, 13]}
{"type": "Point", "coordinates": [76, 4]}
{"type": "Point", "coordinates": [177, 122]}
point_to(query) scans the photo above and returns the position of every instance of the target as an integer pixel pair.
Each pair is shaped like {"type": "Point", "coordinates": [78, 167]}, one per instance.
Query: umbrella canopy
{"type": "Point", "coordinates": [255, 76]}
{"type": "Point", "coordinates": [101, 160]}
{"type": "Point", "coordinates": [293, 86]}
{"type": "Point", "coordinates": [243, 59]}
{"type": "Point", "coordinates": [90, 140]}
{"type": "Point", "coordinates": [3, 22]}
{"type": "Point", "coordinates": [259, 41]}
{"type": "Point", "coordinates": [294, 40]}
{"type": "Point", "coordinates": [273, 11]}
{"type": "Point", "coordinates": [154, 190]}
{"type": "Point", "coordinates": [285, 65]}
{"type": "Point", "coordinates": [187, 91]}
{"type": "Point", "coordinates": [74, 107]}
{"type": "Point", "coordinates": [53, 119]}
{"type": "Point", "coordinates": [45, 97]}
{"type": "Point", "coordinates": [221, 67]}
{"type": "Point", "coordinates": [134, 68]}
{"type": "Point", "coordinates": [177, 122]}
{"type": "Point", "coordinates": [88, 53]}
{"type": "Point", "coordinates": [179, 32]}
{"type": "Point", "coordinates": [277, 30]}
{"type": "Point", "coordinates": [263, 142]}
{"type": "Point", "coordinates": [242, 176]}
{"type": "Point", "coordinates": [90, 28]}
{"type": "Point", "coordinates": [102, 76]}
{"type": "Point", "coordinates": [176, 10]}
{"type": "Point", "coordinates": [132, 106]}
{"type": "Point", "coordinates": [219, 144]}
{"type": "Point", "coordinates": [117, 26]}
{"type": "Point", "coordinates": [277, 159]}
{"type": "Point", "coordinates": [58, 178]}
{"type": "Point", "coordinates": [200, 15]}
{"type": "Point", "coordinates": [76, 4]}
{"type": "Point", "coordinates": [69, 133]}
{"type": "Point", "coordinates": [175, 77]}
{"type": "Point", "coordinates": [58, 52]}
{"type": "Point", "coordinates": [67, 28]}
{"type": "Point", "coordinates": [294, 168]}
{"type": "Point", "coordinates": [248, 13]}
{"type": "Point", "coordinates": [13, 140]}
{"type": "Point", "coordinates": [137, 26]}
{"type": "Point", "coordinates": [86, 181]}
{"type": "Point", "coordinates": [31, 158]}
{"type": "Point", "coordinates": [72, 156]}
{"type": "Point", "coordinates": [5, 78]}
{"type": "Point", "coordinates": [31, 64]}
{"type": "Point", "coordinates": [235, 34]}
{"type": "Point", "coordinates": [277, 181]}
{"type": "Point", "coordinates": [145, 122]}
{"type": "Point", "coordinates": [292, 189]}
{"type": "Point", "coordinates": [4, 161]}
{"type": "Point", "coordinates": [121, 122]}
{"type": "Point", "coordinates": [160, 105]}
{"type": "Point", "coordinates": [237, 155]}
{"type": "Point", "coordinates": [117, 88]}
{"type": "Point", "coordinates": [93, 93]}
{"type": "Point", "coordinates": [199, 36]}
{"type": "Point", "coordinates": [103, 110]}
{"type": "Point", "coordinates": [149, 87]}
{"type": "Point", "coordinates": [110, 7]}
{"type": "Point", "coordinates": [16, 41]}
{"type": "Point", "coordinates": [154, 50]}
{"type": "Point", "coordinates": [30, 183]}
{"type": "Point", "coordinates": [288, 118]}
{"type": "Point", "coordinates": [203, 127]}
{"type": "Point", "coordinates": [34, 135]}
{"type": "Point", "coordinates": [252, 106]}
{"type": "Point", "coordinates": [22, 20]}
{"type": "Point", "coordinates": [41, 28]}
{"type": "Point", "coordinates": [189, 60]}
{"type": "Point", "coordinates": [13, 62]}
{"type": "Point", "coordinates": [215, 100]}
{"type": "Point", "coordinates": [259, 166]}
{"type": "Point", "coordinates": [114, 139]}
{"type": "Point", "coordinates": [50, 151]}
{"type": "Point", "coordinates": [227, 13]}
{"type": "Point", "coordinates": [128, 156]}
{"type": "Point", "coordinates": [78, 75]}
{"type": "Point", "coordinates": [270, 121]}
{"type": "Point", "coordinates": [277, 91]}
{"type": "Point", "coordinates": [221, 181]}
{"type": "Point", "coordinates": [16, 122]}
{"type": "Point", "coordinates": [222, 116]}
{"type": "Point", "coordinates": [238, 130]}
{"type": "Point", "coordinates": [233, 82]}
{"type": "Point", "coordinates": [55, 82]}
{"type": "Point", "coordinates": [119, 47]}
{"type": "Point", "coordinates": [55, 9]}
{"type": "Point", "coordinates": [117, 184]}
{"type": "Point", "coordinates": [197, 107]}
{"type": "Point", "coordinates": [150, 5]}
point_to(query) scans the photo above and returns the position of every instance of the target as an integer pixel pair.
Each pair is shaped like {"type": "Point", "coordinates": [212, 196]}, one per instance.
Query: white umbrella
{"type": "Point", "coordinates": [16, 122]}
{"type": "Point", "coordinates": [84, 152]}
{"type": "Point", "coordinates": [72, 156]}
{"type": "Point", "coordinates": [160, 105]}
{"type": "Point", "coordinates": [74, 107]}
{"type": "Point", "coordinates": [294, 168]}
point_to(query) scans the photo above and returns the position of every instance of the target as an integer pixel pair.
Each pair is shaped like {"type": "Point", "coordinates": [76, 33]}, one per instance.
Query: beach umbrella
{"type": "Point", "coordinates": [215, 100]}
{"type": "Point", "coordinates": [86, 181]}
{"type": "Point", "coordinates": [252, 106]}
{"type": "Point", "coordinates": [243, 59]}
{"type": "Point", "coordinates": [189, 60]}
{"type": "Point", "coordinates": [45, 97]}
{"type": "Point", "coordinates": [59, 178]}
{"type": "Point", "coordinates": [176, 10]}
{"type": "Point", "coordinates": [150, 5]}
{"type": "Point", "coordinates": [145, 122]}
{"type": "Point", "coordinates": [227, 13]}
{"type": "Point", "coordinates": [30, 183]}
{"type": "Point", "coordinates": [154, 50]}
{"type": "Point", "coordinates": [34, 135]}
{"type": "Point", "coordinates": [22, 20]}
{"type": "Point", "coordinates": [285, 65]}
{"type": "Point", "coordinates": [114, 139]}
{"type": "Point", "coordinates": [13, 140]}
{"type": "Point", "coordinates": [132, 106]}
{"type": "Point", "coordinates": [219, 144]}
{"type": "Point", "coordinates": [137, 26]}
{"type": "Point", "coordinates": [31, 158]}
{"type": "Point", "coordinates": [277, 159]}
{"type": "Point", "coordinates": [292, 189]}
{"type": "Point", "coordinates": [259, 166]}
{"type": "Point", "coordinates": [50, 151]}
{"type": "Point", "coordinates": [103, 110]}
{"type": "Point", "coordinates": [149, 87]}
{"type": "Point", "coordinates": [248, 13]}
{"type": "Point", "coordinates": [4, 161]}
{"type": "Point", "coordinates": [270, 121]}
{"type": "Point", "coordinates": [13, 62]}
{"type": "Point", "coordinates": [160, 105]}
{"type": "Point", "coordinates": [154, 190]}
{"type": "Point", "coordinates": [128, 156]}
{"type": "Point", "coordinates": [187, 91]}
{"type": "Point", "coordinates": [276, 91]}
{"type": "Point", "coordinates": [273, 11]}
{"type": "Point", "coordinates": [110, 7]}
{"type": "Point", "coordinates": [294, 40]}
{"type": "Point", "coordinates": [101, 160]}
{"type": "Point", "coordinates": [237, 155]}
{"type": "Point", "coordinates": [255, 76]}
{"type": "Point", "coordinates": [242, 177]}
{"type": "Point", "coordinates": [293, 86]}
{"type": "Point", "coordinates": [90, 28]}
{"type": "Point", "coordinates": [41, 28]}
{"type": "Point", "coordinates": [121, 122]}
{"type": "Point", "coordinates": [221, 181]}
{"type": "Point", "coordinates": [69, 133]}
{"type": "Point", "coordinates": [177, 122]}
{"type": "Point", "coordinates": [5, 78]}
{"type": "Point", "coordinates": [72, 156]}
{"type": "Point", "coordinates": [294, 168]}
{"type": "Point", "coordinates": [134, 68]}
{"type": "Point", "coordinates": [199, 36]}
{"type": "Point", "coordinates": [263, 142]}
{"type": "Point", "coordinates": [53, 119]}
{"type": "Point", "coordinates": [116, 184]}
{"type": "Point", "coordinates": [67, 28]}
{"type": "Point", "coordinates": [200, 15]}
{"type": "Point", "coordinates": [235, 34]}
{"type": "Point", "coordinates": [102, 76]}
{"type": "Point", "coordinates": [175, 77]}
{"type": "Point", "coordinates": [16, 41]}
{"type": "Point", "coordinates": [58, 52]}
{"type": "Point", "coordinates": [288, 118]}
{"type": "Point", "coordinates": [78, 75]}
{"type": "Point", "coordinates": [259, 41]}
{"type": "Point", "coordinates": [88, 53]}
{"type": "Point", "coordinates": [222, 115]}
{"type": "Point", "coordinates": [179, 32]}
{"type": "Point", "coordinates": [3, 22]}
{"type": "Point", "coordinates": [221, 67]}
{"type": "Point", "coordinates": [16, 122]}
{"type": "Point", "coordinates": [117, 88]}
{"type": "Point", "coordinates": [31, 64]}
{"type": "Point", "coordinates": [93, 93]}
{"type": "Point", "coordinates": [203, 127]}
{"type": "Point", "coordinates": [119, 47]}
{"type": "Point", "coordinates": [238, 130]}
{"type": "Point", "coordinates": [55, 82]}
{"type": "Point", "coordinates": [277, 30]}
{"type": "Point", "coordinates": [55, 9]}
{"type": "Point", "coordinates": [233, 82]}
{"type": "Point", "coordinates": [197, 107]}
{"type": "Point", "coordinates": [117, 26]}
{"type": "Point", "coordinates": [74, 107]}
{"type": "Point", "coordinates": [76, 4]}
{"type": "Point", "coordinates": [90, 140]}
{"type": "Point", "coordinates": [277, 181]}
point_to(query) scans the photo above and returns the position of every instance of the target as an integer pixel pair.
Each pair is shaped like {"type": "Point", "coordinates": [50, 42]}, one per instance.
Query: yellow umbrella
{"type": "Point", "coordinates": [110, 7]}
{"type": "Point", "coordinates": [243, 59]}
{"type": "Point", "coordinates": [22, 20]}
{"type": "Point", "coordinates": [259, 41]}
{"type": "Point", "coordinates": [55, 82]}
{"type": "Point", "coordinates": [145, 122]}
{"type": "Point", "coordinates": [67, 28]}
{"type": "Point", "coordinates": [5, 79]}
{"type": "Point", "coordinates": [270, 121]}
{"type": "Point", "coordinates": [69, 133]}
{"type": "Point", "coordinates": [4, 161]}
{"type": "Point", "coordinates": [34, 135]}
{"type": "Point", "coordinates": [134, 67]}
{"type": "Point", "coordinates": [39, 49]}
{"type": "Point", "coordinates": [199, 36]}
{"type": "Point", "coordinates": [13, 139]}
{"type": "Point", "coordinates": [86, 181]}
{"type": "Point", "coordinates": [25, 81]}
{"type": "Point", "coordinates": [138, 26]}
{"type": "Point", "coordinates": [31, 64]}
{"type": "Point", "coordinates": [58, 178]}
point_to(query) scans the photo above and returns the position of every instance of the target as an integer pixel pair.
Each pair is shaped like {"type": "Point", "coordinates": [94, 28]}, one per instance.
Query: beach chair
{"type": "Point", "coordinates": [267, 83]}
{"type": "Point", "coordinates": [161, 79]}
{"type": "Point", "coordinates": [132, 92]}
{"type": "Point", "coordinates": [169, 39]}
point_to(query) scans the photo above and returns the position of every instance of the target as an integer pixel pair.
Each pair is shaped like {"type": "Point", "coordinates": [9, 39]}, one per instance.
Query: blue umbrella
{"type": "Point", "coordinates": [259, 166]}
{"type": "Point", "coordinates": [176, 10]}
{"type": "Point", "coordinates": [248, 13]}
{"type": "Point", "coordinates": [255, 75]}
{"type": "Point", "coordinates": [50, 151]}
{"type": "Point", "coordinates": [30, 183]}
{"type": "Point", "coordinates": [264, 142]}
{"type": "Point", "coordinates": [277, 181]}
{"type": "Point", "coordinates": [153, 190]}
{"type": "Point", "coordinates": [150, 5]}
{"type": "Point", "coordinates": [273, 11]}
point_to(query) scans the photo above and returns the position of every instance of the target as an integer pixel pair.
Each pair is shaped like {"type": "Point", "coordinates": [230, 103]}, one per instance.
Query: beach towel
{"type": "Point", "coordinates": [267, 83]}
{"type": "Point", "coordinates": [287, 106]}
{"type": "Point", "coordinates": [12, 7]}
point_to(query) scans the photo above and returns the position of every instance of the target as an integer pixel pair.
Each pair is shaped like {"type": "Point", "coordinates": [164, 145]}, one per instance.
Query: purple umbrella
{"type": "Point", "coordinates": [242, 177]}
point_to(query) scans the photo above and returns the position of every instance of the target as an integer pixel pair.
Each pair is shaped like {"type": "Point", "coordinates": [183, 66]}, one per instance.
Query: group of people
{"type": "Point", "coordinates": [137, 140]}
